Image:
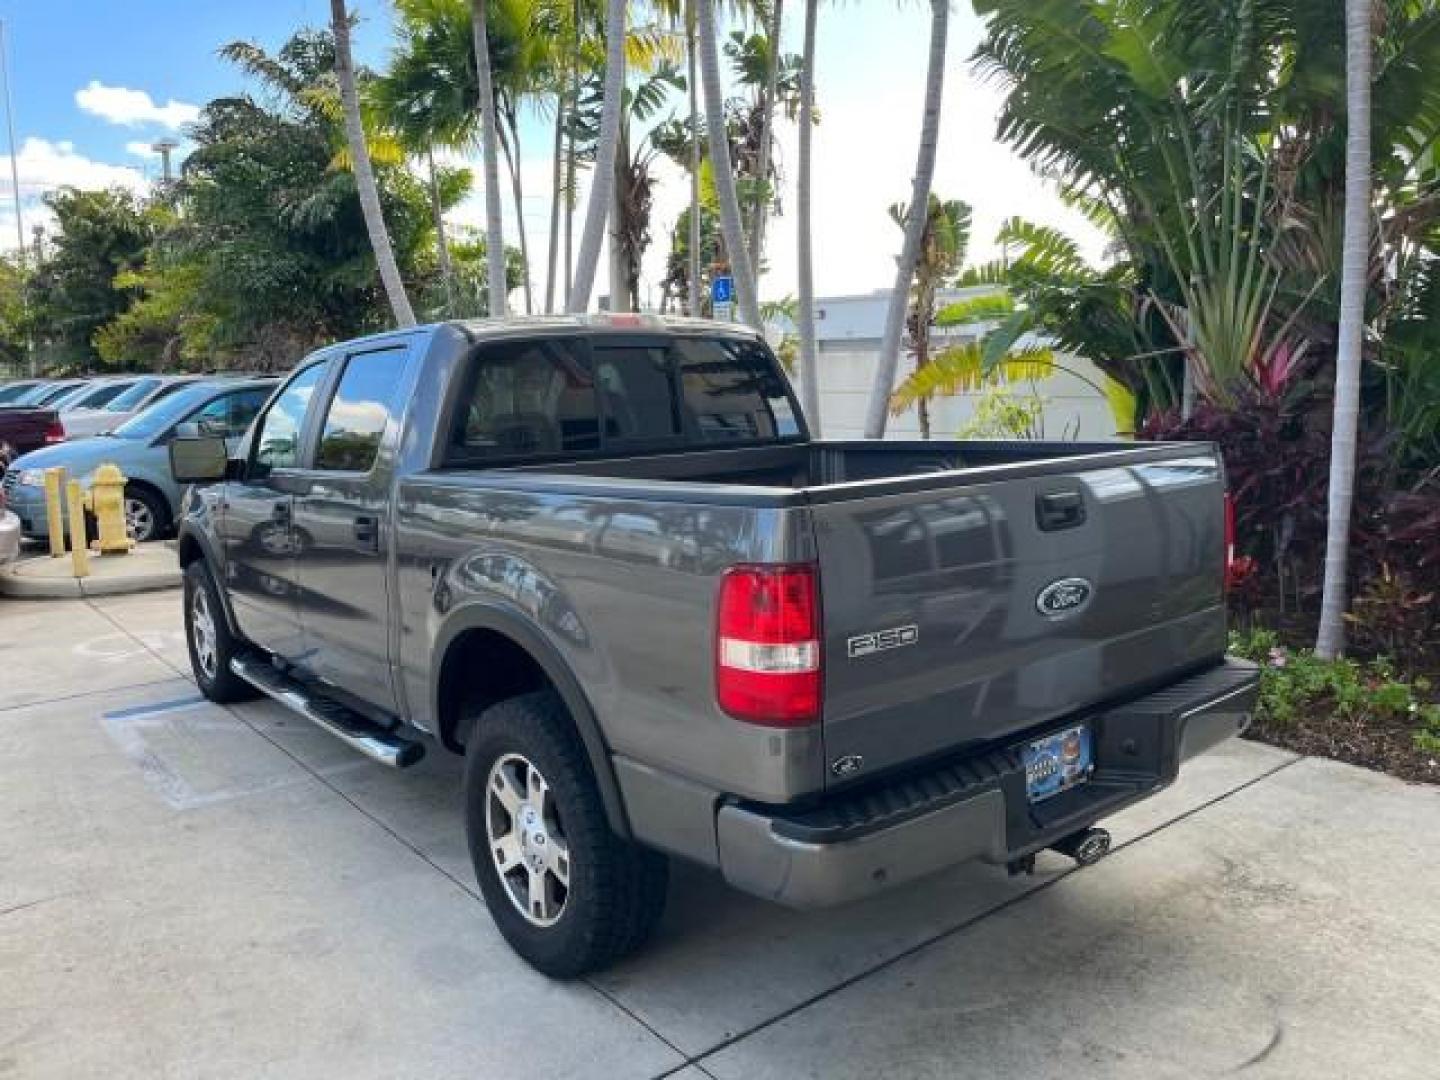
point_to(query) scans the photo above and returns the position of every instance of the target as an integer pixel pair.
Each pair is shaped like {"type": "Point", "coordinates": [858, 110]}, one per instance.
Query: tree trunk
{"type": "Point", "coordinates": [510, 145]}
{"type": "Point", "coordinates": [365, 175]}
{"type": "Point", "coordinates": [1355, 262]}
{"type": "Point", "coordinates": [602, 190]}
{"type": "Point", "coordinates": [761, 210]}
{"type": "Point", "coordinates": [740, 266]}
{"type": "Point", "coordinates": [805, 314]}
{"type": "Point", "coordinates": [693, 267]}
{"type": "Point", "coordinates": [557, 157]}
{"type": "Point", "coordinates": [442, 243]}
{"type": "Point", "coordinates": [489, 139]}
{"type": "Point", "coordinates": [878, 410]}
{"type": "Point", "coordinates": [620, 298]}
{"type": "Point", "coordinates": [575, 16]}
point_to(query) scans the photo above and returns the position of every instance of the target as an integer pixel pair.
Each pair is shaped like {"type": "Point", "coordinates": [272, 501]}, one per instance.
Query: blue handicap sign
{"type": "Point", "coordinates": [722, 290]}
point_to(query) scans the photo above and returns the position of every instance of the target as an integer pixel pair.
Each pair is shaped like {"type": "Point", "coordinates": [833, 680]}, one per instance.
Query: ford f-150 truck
{"type": "Point", "coordinates": [604, 559]}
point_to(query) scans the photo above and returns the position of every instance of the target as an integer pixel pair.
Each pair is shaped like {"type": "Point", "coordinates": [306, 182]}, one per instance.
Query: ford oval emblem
{"type": "Point", "coordinates": [1068, 596]}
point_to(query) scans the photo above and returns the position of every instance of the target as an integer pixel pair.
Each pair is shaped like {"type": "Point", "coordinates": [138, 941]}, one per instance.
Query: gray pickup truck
{"type": "Point", "coordinates": [604, 560]}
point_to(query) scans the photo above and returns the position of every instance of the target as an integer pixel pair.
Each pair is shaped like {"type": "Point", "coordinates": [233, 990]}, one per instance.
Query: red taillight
{"type": "Point", "coordinates": [767, 646]}
{"type": "Point", "coordinates": [55, 432]}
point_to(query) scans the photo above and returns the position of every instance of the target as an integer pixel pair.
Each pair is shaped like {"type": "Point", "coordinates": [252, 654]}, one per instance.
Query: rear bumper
{"type": "Point", "coordinates": [861, 842]}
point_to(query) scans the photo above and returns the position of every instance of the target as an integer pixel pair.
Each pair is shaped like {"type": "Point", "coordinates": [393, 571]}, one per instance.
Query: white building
{"type": "Point", "coordinates": [848, 331]}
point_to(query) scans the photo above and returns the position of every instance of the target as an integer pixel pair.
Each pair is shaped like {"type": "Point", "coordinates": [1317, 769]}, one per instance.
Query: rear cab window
{"type": "Point", "coordinates": [574, 397]}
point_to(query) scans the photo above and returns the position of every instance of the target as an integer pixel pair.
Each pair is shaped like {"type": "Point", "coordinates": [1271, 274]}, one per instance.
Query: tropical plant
{"type": "Point", "coordinates": [602, 189]}
{"type": "Point", "coordinates": [365, 185]}
{"type": "Point", "coordinates": [943, 243]}
{"type": "Point", "coordinates": [99, 237]}
{"type": "Point", "coordinates": [877, 410]}
{"type": "Point", "coordinates": [737, 254]}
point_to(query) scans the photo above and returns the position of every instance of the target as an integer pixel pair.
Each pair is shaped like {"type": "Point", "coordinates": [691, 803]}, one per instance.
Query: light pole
{"type": "Point", "coordinates": [164, 148]}
{"type": "Point", "coordinates": [15, 186]}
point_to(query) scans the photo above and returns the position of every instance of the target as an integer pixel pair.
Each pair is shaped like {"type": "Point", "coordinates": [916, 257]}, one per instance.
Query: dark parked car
{"type": "Point", "coordinates": [605, 560]}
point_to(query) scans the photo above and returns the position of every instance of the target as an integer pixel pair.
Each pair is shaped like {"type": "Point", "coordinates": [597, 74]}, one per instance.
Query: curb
{"type": "Point", "coordinates": [25, 587]}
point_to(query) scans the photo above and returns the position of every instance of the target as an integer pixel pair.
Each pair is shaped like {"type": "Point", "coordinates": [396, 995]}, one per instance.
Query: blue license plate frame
{"type": "Point", "coordinates": [1057, 762]}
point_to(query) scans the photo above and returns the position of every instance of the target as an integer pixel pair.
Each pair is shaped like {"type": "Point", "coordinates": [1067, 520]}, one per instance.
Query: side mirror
{"type": "Point", "coordinates": [198, 461]}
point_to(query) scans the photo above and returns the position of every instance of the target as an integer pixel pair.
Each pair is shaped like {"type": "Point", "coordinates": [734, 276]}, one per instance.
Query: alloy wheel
{"type": "Point", "coordinates": [202, 634]}
{"type": "Point", "coordinates": [527, 840]}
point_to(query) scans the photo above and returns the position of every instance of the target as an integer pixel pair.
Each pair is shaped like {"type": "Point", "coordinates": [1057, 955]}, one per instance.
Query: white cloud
{"type": "Point", "coordinates": [141, 149]}
{"type": "Point", "coordinates": [132, 108]}
{"type": "Point", "coordinates": [46, 165]}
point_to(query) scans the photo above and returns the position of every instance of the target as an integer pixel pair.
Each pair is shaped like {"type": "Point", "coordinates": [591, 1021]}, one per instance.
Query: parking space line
{"type": "Point", "coordinates": [698, 1060]}
{"type": "Point", "coordinates": [88, 693]}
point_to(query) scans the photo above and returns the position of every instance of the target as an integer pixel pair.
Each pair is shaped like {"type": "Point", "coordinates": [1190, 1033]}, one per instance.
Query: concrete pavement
{"type": "Point", "coordinates": [193, 891]}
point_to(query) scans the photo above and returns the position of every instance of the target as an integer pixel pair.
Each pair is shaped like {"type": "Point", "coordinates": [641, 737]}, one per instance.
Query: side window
{"type": "Point", "coordinates": [355, 420]}
{"type": "Point", "coordinates": [638, 394]}
{"type": "Point", "coordinates": [212, 419]}
{"type": "Point", "coordinates": [277, 443]}
{"type": "Point", "coordinates": [245, 406]}
{"type": "Point", "coordinates": [524, 399]}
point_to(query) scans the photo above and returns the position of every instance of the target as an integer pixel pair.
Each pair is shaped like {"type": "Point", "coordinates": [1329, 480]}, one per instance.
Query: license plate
{"type": "Point", "coordinates": [1057, 762]}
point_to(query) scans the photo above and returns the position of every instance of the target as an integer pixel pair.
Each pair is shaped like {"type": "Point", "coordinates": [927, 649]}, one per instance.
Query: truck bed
{"type": "Point", "coordinates": [937, 562]}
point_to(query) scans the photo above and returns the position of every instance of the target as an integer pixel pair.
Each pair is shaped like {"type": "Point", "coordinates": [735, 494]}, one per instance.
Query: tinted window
{"type": "Point", "coordinates": [638, 396]}
{"type": "Point", "coordinates": [97, 396]}
{"type": "Point", "coordinates": [533, 397]}
{"type": "Point", "coordinates": [229, 416]}
{"type": "Point", "coordinates": [364, 401]}
{"type": "Point", "coordinates": [277, 443]}
{"type": "Point", "coordinates": [138, 392]}
{"type": "Point", "coordinates": [731, 392]}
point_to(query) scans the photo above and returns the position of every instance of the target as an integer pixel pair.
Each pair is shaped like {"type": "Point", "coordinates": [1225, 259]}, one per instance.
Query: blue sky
{"type": "Point", "coordinates": [94, 81]}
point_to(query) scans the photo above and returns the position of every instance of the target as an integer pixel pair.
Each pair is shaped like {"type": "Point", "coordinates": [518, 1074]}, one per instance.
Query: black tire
{"type": "Point", "coordinates": [216, 681]}
{"type": "Point", "coordinates": [616, 891]}
{"type": "Point", "coordinates": [157, 512]}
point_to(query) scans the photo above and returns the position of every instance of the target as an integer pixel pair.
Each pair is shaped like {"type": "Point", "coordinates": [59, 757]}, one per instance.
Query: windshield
{"type": "Point", "coordinates": [148, 423]}
{"type": "Point", "coordinates": [17, 392]}
{"type": "Point", "coordinates": [131, 398]}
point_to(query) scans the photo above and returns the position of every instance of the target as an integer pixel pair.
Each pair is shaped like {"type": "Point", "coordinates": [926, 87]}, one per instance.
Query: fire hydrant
{"type": "Point", "coordinates": [106, 500]}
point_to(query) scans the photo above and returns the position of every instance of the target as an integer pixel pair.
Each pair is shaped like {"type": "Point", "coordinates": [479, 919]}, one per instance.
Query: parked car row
{"type": "Point", "coordinates": [151, 410]}
{"type": "Point", "coordinates": [92, 406]}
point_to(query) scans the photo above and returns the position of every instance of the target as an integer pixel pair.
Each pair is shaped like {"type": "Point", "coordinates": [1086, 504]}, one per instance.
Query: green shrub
{"type": "Point", "coordinates": [1295, 682]}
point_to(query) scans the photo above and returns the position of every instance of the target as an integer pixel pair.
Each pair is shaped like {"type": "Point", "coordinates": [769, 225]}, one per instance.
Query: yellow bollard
{"type": "Point", "coordinates": [79, 557]}
{"type": "Point", "coordinates": [106, 500]}
{"type": "Point", "coordinates": [54, 512]}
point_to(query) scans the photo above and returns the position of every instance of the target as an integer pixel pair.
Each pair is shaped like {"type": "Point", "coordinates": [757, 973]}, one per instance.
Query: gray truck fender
{"type": "Point", "coordinates": [518, 630]}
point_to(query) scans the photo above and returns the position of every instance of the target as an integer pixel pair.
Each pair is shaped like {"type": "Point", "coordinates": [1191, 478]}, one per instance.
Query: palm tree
{"type": "Point", "coordinates": [1355, 266]}
{"type": "Point", "coordinates": [741, 268]}
{"type": "Point", "coordinates": [805, 273]}
{"type": "Point", "coordinates": [943, 244]}
{"type": "Point", "coordinates": [693, 259]}
{"type": "Point", "coordinates": [602, 190]}
{"type": "Point", "coordinates": [760, 211]}
{"type": "Point", "coordinates": [489, 145]}
{"type": "Point", "coordinates": [365, 175]}
{"type": "Point", "coordinates": [877, 410]}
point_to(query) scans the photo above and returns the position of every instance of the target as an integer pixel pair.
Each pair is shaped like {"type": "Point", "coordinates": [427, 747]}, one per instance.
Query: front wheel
{"type": "Point", "coordinates": [567, 893]}
{"type": "Point", "coordinates": [211, 644]}
{"type": "Point", "coordinates": [146, 515]}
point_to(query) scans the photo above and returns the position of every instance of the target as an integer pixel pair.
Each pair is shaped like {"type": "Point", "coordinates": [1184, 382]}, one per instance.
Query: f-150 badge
{"type": "Point", "coordinates": [880, 640]}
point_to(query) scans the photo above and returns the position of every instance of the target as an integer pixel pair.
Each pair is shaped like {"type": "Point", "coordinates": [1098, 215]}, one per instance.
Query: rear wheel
{"type": "Point", "coordinates": [209, 640]}
{"type": "Point", "coordinates": [567, 893]}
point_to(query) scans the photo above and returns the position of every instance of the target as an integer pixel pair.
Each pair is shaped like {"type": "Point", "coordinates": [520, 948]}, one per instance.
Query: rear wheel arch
{"type": "Point", "coordinates": [512, 658]}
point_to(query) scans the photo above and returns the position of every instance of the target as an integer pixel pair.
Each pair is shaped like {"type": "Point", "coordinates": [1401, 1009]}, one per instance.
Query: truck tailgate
{"type": "Point", "coordinates": [974, 609]}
